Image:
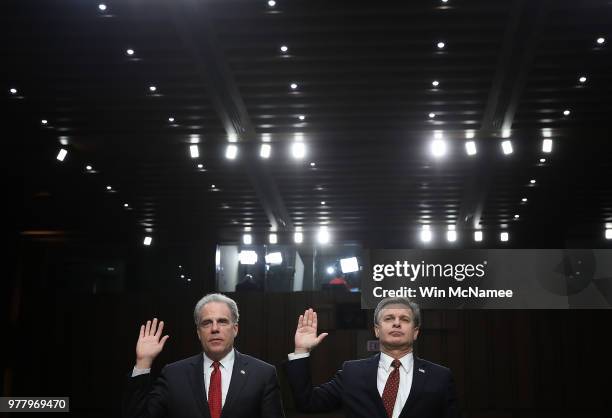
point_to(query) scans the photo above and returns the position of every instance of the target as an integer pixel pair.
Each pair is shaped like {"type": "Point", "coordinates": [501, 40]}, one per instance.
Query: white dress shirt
{"type": "Point", "coordinates": [384, 370]}
{"type": "Point", "coordinates": [405, 383]}
{"type": "Point", "coordinates": [227, 365]}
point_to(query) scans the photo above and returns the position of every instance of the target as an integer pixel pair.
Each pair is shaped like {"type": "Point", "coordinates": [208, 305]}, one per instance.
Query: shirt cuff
{"type": "Point", "coordinates": [138, 372]}
{"type": "Point", "coordinates": [293, 356]}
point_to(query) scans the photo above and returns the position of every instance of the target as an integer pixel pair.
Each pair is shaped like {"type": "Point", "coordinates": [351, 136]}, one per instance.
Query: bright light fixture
{"type": "Point", "coordinates": [147, 241]}
{"type": "Point", "coordinates": [504, 237]}
{"type": "Point", "coordinates": [171, 119]}
{"type": "Point", "coordinates": [517, 216]}
{"type": "Point", "coordinates": [478, 236]}
{"type": "Point", "coordinates": [273, 238]}
{"type": "Point", "coordinates": [426, 235]}
{"type": "Point", "coordinates": [451, 234]}
{"type": "Point", "coordinates": [349, 265]}
{"type": "Point", "coordinates": [271, 3]}
{"type": "Point", "coordinates": [13, 91]}
{"type": "Point", "coordinates": [566, 112]}
{"type": "Point", "coordinates": [265, 150]}
{"type": "Point", "coordinates": [440, 45]}
{"type": "Point", "coordinates": [470, 134]}
{"type": "Point", "coordinates": [330, 270]}
{"type": "Point", "coordinates": [274, 258]}
{"type": "Point", "coordinates": [88, 168]}
{"type": "Point", "coordinates": [547, 145]}
{"type": "Point", "coordinates": [524, 200]}
{"type": "Point", "coordinates": [301, 117]}
{"type": "Point", "coordinates": [470, 147]}
{"type": "Point", "coordinates": [298, 150]}
{"type": "Point", "coordinates": [293, 86]}
{"type": "Point", "coordinates": [582, 79]}
{"type": "Point", "coordinates": [44, 121]}
{"type": "Point", "coordinates": [231, 152]}
{"type": "Point", "coordinates": [507, 147]}
{"type": "Point", "coordinates": [438, 148]}
{"type": "Point", "coordinates": [323, 235]}
{"type": "Point", "coordinates": [247, 239]}
{"type": "Point", "coordinates": [435, 83]}
{"type": "Point", "coordinates": [432, 115]}
{"type": "Point", "coordinates": [608, 233]}
{"type": "Point", "coordinates": [194, 150]}
{"type": "Point", "coordinates": [298, 237]}
{"type": "Point", "coordinates": [601, 41]}
{"type": "Point", "coordinates": [247, 257]}
{"type": "Point", "coordinates": [129, 51]}
{"type": "Point", "coordinates": [61, 154]}
{"type": "Point", "coordinates": [532, 181]}
{"type": "Point", "coordinates": [152, 88]}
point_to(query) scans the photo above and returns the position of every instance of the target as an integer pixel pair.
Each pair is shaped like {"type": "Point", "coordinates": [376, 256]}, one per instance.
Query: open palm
{"type": "Point", "coordinates": [306, 332]}
{"type": "Point", "coordinates": [149, 343]}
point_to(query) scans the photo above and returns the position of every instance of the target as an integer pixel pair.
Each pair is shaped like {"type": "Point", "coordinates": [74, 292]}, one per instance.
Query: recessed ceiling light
{"type": "Point", "coordinates": [312, 164]}
{"type": "Point", "coordinates": [301, 117]}
{"type": "Point", "coordinates": [506, 133]}
{"type": "Point", "coordinates": [435, 83]}
{"type": "Point", "coordinates": [432, 115]}
{"type": "Point", "coordinates": [507, 147]}
{"type": "Point", "coordinates": [542, 160]}
{"type": "Point", "coordinates": [147, 241]}
{"type": "Point", "coordinates": [293, 86]}
{"type": "Point", "coordinates": [582, 79]}
{"type": "Point", "coordinates": [298, 237]}
{"type": "Point", "coordinates": [171, 119]}
{"type": "Point", "coordinates": [516, 216]}
{"type": "Point", "coordinates": [470, 147]}
{"type": "Point", "coordinates": [125, 205]}
{"type": "Point", "coordinates": [200, 166]}
{"type": "Point", "coordinates": [44, 121]}
{"type": "Point", "coordinates": [444, 1]}
{"type": "Point", "coordinates": [608, 233]}
{"type": "Point", "coordinates": [265, 150]}
{"type": "Point", "coordinates": [426, 235]}
{"type": "Point", "coordinates": [566, 112]}
{"type": "Point", "coordinates": [451, 234]}
{"type": "Point", "coordinates": [547, 145]}
{"type": "Point", "coordinates": [532, 181]}
{"type": "Point", "coordinates": [129, 51]}
{"type": "Point", "coordinates": [109, 188]}
{"type": "Point", "coordinates": [194, 151]}
{"type": "Point", "coordinates": [273, 239]}
{"type": "Point", "coordinates": [212, 186]}
{"type": "Point", "coordinates": [61, 154]}
{"type": "Point", "coordinates": [478, 236]}
{"type": "Point", "coordinates": [323, 203]}
{"type": "Point", "coordinates": [102, 6]}
{"type": "Point", "coordinates": [323, 235]}
{"type": "Point", "coordinates": [247, 239]}
{"type": "Point", "coordinates": [152, 88]}
{"type": "Point", "coordinates": [440, 45]}
{"type": "Point", "coordinates": [231, 151]}
{"type": "Point", "coordinates": [469, 134]}
{"type": "Point", "coordinates": [601, 41]}
{"type": "Point", "coordinates": [13, 91]}
{"type": "Point", "coordinates": [524, 200]}
{"type": "Point", "coordinates": [438, 148]}
{"type": "Point", "coordinates": [284, 48]}
{"type": "Point", "coordinates": [88, 168]}
{"type": "Point", "coordinates": [298, 150]}
{"type": "Point", "coordinates": [504, 236]}
{"type": "Point", "coordinates": [271, 3]}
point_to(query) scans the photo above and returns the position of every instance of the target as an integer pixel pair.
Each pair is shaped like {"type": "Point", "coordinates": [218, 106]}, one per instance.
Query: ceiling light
{"type": "Point", "coordinates": [231, 151]}
{"type": "Point", "coordinates": [426, 235]}
{"type": "Point", "coordinates": [349, 265]}
{"type": "Point", "coordinates": [608, 233]}
{"type": "Point", "coordinates": [194, 151]}
{"type": "Point", "coordinates": [507, 147]}
{"type": "Point", "coordinates": [301, 117]}
{"type": "Point", "coordinates": [542, 160]}
{"type": "Point", "coordinates": [566, 112]}
{"type": "Point", "coordinates": [438, 148]}
{"type": "Point", "coordinates": [532, 181]}
{"type": "Point", "coordinates": [171, 119]}
{"type": "Point", "coordinates": [247, 239]}
{"type": "Point", "coordinates": [312, 164]}
{"type": "Point", "coordinates": [298, 237]}
{"type": "Point", "coordinates": [441, 45]}
{"type": "Point", "coordinates": [247, 257]}
{"type": "Point", "coordinates": [506, 133]}
{"type": "Point", "coordinates": [271, 3]}
{"type": "Point", "coordinates": [284, 48]}
{"type": "Point", "coordinates": [478, 236]}
{"type": "Point", "coordinates": [129, 51]}
{"type": "Point", "coordinates": [435, 83]}
{"type": "Point", "coordinates": [547, 145]}
{"type": "Point", "coordinates": [265, 150]}
{"type": "Point", "coordinates": [152, 88]}
{"type": "Point", "coordinates": [125, 205]}
{"type": "Point", "coordinates": [200, 166]}
{"type": "Point", "coordinates": [330, 270]}
{"type": "Point", "coordinates": [44, 121]}
{"type": "Point", "coordinates": [516, 216]}
{"type": "Point", "coordinates": [323, 235]}
{"type": "Point", "coordinates": [504, 237]}
{"type": "Point", "coordinates": [298, 150]}
{"type": "Point", "coordinates": [13, 91]}
{"type": "Point", "coordinates": [524, 200]}
{"type": "Point", "coordinates": [274, 258]}
{"type": "Point", "coordinates": [273, 238]}
{"type": "Point", "coordinates": [322, 203]}
{"type": "Point", "coordinates": [582, 79]}
{"type": "Point", "coordinates": [102, 6]}
{"type": "Point", "coordinates": [470, 147]}
{"type": "Point", "coordinates": [212, 186]}
{"type": "Point", "coordinates": [293, 86]}
{"type": "Point", "coordinates": [451, 234]}
{"type": "Point", "coordinates": [61, 154]}
{"type": "Point", "coordinates": [432, 115]}
{"type": "Point", "coordinates": [109, 188]}
{"type": "Point", "coordinates": [88, 168]}
{"type": "Point", "coordinates": [601, 41]}
{"type": "Point", "coordinates": [147, 241]}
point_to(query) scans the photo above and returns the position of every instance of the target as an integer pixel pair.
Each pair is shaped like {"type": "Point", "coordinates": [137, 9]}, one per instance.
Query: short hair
{"type": "Point", "coordinates": [413, 306]}
{"type": "Point", "coordinates": [216, 297]}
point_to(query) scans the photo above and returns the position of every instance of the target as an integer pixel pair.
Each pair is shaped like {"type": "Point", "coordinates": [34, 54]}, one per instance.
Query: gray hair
{"type": "Point", "coordinates": [413, 306]}
{"type": "Point", "coordinates": [216, 297]}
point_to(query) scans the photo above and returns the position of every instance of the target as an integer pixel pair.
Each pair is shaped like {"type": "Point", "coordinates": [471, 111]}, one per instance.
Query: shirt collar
{"type": "Point", "coordinates": [225, 361]}
{"type": "Point", "coordinates": [385, 361]}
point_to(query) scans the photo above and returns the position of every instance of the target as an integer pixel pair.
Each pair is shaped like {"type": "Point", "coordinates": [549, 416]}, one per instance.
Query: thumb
{"type": "Point", "coordinates": [163, 340]}
{"type": "Point", "coordinates": [321, 337]}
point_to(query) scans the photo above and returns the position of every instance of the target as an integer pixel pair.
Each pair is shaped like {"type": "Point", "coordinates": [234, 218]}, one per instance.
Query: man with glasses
{"type": "Point", "coordinates": [220, 382]}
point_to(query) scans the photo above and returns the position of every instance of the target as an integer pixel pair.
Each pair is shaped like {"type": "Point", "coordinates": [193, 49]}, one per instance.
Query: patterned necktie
{"type": "Point", "coordinates": [391, 387]}
{"type": "Point", "coordinates": [214, 391]}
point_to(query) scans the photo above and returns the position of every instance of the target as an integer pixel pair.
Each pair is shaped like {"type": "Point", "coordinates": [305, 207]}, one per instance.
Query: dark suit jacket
{"type": "Point", "coordinates": [180, 392]}
{"type": "Point", "coordinates": [353, 388]}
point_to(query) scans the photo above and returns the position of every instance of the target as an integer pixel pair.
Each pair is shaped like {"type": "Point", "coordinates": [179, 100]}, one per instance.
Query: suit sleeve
{"type": "Point", "coordinates": [308, 398]}
{"type": "Point", "coordinates": [271, 403]}
{"type": "Point", "coordinates": [451, 408]}
{"type": "Point", "coordinates": [144, 399]}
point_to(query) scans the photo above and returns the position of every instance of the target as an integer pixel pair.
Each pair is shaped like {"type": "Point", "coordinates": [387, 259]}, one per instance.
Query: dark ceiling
{"type": "Point", "coordinates": [364, 74]}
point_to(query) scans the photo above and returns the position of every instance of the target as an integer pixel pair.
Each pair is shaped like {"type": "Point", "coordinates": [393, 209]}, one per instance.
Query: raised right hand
{"type": "Point", "coordinates": [149, 344]}
{"type": "Point", "coordinates": [306, 333]}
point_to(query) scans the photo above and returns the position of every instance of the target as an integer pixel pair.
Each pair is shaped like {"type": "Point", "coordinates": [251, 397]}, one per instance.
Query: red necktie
{"type": "Point", "coordinates": [391, 387]}
{"type": "Point", "coordinates": [214, 391]}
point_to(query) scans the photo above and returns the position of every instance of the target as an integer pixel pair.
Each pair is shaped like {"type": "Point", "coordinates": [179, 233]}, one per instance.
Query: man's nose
{"type": "Point", "coordinates": [214, 327]}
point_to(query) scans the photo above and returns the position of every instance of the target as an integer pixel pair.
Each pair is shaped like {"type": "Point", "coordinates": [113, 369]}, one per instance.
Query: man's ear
{"type": "Point", "coordinates": [416, 333]}
{"type": "Point", "coordinates": [235, 330]}
{"type": "Point", "coordinates": [376, 330]}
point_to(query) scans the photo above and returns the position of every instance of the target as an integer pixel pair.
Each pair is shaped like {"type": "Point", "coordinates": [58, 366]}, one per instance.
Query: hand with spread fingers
{"type": "Point", "coordinates": [149, 344]}
{"type": "Point", "coordinates": [306, 337]}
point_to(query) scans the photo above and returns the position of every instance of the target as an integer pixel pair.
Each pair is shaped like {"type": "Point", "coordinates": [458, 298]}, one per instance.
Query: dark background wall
{"type": "Point", "coordinates": [66, 341]}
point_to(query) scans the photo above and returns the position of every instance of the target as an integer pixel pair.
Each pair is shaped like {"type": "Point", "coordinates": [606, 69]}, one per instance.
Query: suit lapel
{"type": "Point", "coordinates": [240, 375]}
{"type": "Point", "coordinates": [196, 380]}
{"type": "Point", "coordinates": [419, 374]}
{"type": "Point", "coordinates": [371, 376]}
